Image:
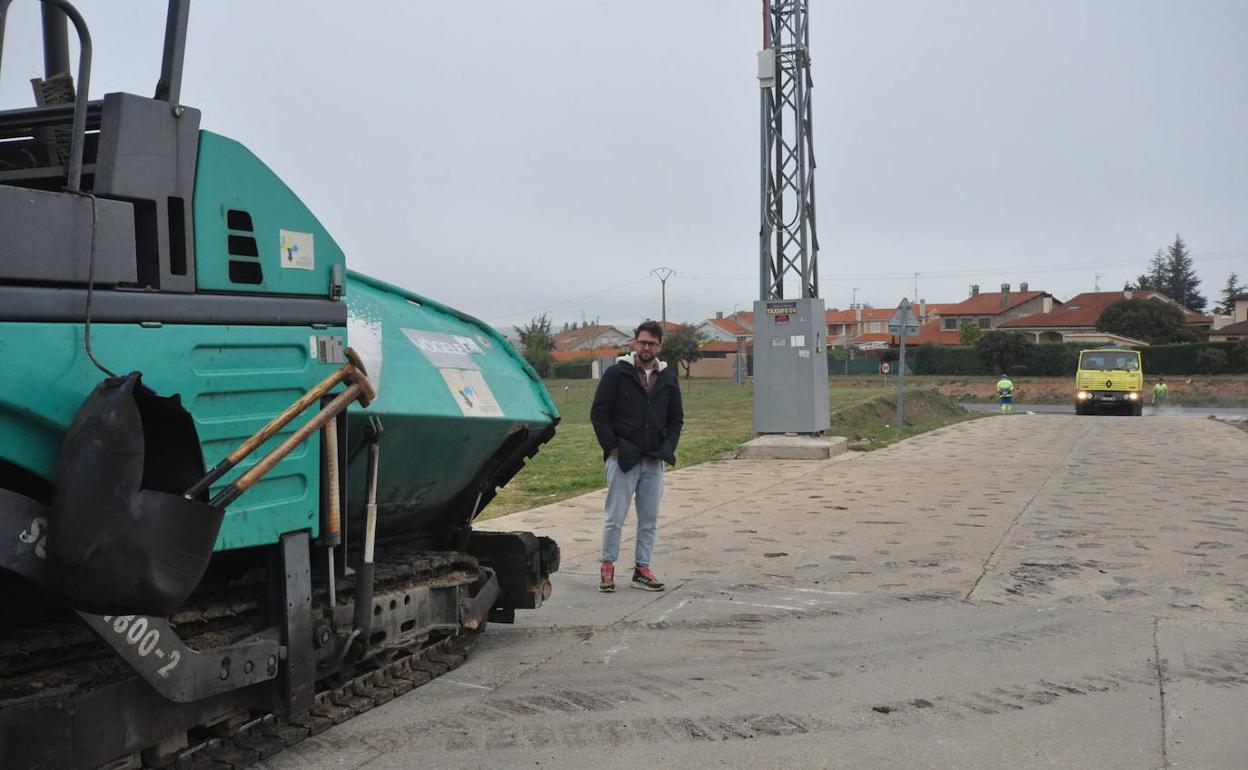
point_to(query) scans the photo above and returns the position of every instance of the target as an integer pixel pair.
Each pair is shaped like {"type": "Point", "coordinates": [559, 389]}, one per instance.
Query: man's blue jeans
{"type": "Point", "coordinates": [644, 482]}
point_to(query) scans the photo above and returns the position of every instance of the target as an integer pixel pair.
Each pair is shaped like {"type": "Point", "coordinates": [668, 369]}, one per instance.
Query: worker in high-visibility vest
{"type": "Point", "coordinates": [1005, 391]}
{"type": "Point", "coordinates": [1161, 392]}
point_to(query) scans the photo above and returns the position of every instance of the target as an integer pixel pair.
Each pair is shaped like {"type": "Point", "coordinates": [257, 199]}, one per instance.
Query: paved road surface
{"type": "Point", "coordinates": [1026, 592]}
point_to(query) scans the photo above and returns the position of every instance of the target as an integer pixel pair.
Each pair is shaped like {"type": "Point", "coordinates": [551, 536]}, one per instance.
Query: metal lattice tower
{"type": "Point", "coordinates": [788, 246]}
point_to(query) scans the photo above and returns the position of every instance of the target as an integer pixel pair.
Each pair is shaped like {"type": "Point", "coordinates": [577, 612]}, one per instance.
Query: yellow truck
{"type": "Point", "coordinates": [1109, 380]}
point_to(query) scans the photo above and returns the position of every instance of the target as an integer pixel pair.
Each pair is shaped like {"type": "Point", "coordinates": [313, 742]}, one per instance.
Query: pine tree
{"type": "Point", "coordinates": [1181, 283]}
{"type": "Point", "coordinates": [1232, 289]}
{"type": "Point", "coordinates": [1155, 278]}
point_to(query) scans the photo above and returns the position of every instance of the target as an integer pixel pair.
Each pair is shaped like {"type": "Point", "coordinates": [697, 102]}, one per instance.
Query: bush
{"type": "Point", "coordinates": [946, 359]}
{"type": "Point", "coordinates": [1005, 351]}
{"type": "Point", "coordinates": [970, 334]}
{"type": "Point", "coordinates": [1211, 360]}
{"type": "Point", "coordinates": [1055, 359]}
{"type": "Point", "coordinates": [572, 370]}
{"type": "Point", "coordinates": [1185, 358]}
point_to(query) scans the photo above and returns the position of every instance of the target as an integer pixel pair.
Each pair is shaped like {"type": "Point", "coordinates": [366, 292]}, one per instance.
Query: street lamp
{"type": "Point", "coordinates": [663, 273]}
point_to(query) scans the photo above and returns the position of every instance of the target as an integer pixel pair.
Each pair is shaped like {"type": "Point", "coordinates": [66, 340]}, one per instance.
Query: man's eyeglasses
{"type": "Point", "coordinates": [645, 344]}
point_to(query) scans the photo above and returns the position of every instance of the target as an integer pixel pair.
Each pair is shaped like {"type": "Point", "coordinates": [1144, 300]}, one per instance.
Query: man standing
{"type": "Point", "coordinates": [1005, 390]}
{"type": "Point", "coordinates": [1161, 392]}
{"type": "Point", "coordinates": [637, 417]}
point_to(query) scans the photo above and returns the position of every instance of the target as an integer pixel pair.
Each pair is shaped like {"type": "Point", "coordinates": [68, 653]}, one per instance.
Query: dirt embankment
{"type": "Point", "coordinates": [869, 425]}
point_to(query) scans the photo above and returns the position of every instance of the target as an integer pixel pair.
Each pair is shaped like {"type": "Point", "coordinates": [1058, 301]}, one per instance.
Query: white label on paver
{"type": "Point", "coordinates": [803, 353]}
{"type": "Point", "coordinates": [297, 250]}
{"type": "Point", "coordinates": [470, 344]}
{"type": "Point", "coordinates": [445, 351]}
{"type": "Point", "coordinates": [468, 388]}
{"type": "Point", "coordinates": [798, 340]}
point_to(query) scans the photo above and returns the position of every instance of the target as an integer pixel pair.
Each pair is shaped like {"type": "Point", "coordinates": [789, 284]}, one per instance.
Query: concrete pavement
{"type": "Point", "coordinates": [1025, 591]}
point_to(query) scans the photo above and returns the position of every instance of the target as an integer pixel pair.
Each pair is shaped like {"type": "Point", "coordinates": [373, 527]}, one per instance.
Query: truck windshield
{"type": "Point", "coordinates": [1105, 360]}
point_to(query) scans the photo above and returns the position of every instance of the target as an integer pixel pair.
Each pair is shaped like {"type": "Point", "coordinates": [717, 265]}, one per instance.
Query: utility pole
{"type": "Point", "coordinates": [1096, 282]}
{"type": "Point", "coordinates": [853, 303]}
{"type": "Point", "coordinates": [663, 273]}
{"type": "Point", "coordinates": [790, 329]}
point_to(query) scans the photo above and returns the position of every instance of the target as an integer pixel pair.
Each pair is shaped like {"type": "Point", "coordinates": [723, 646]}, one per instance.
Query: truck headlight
{"type": "Point", "coordinates": [1082, 395]}
{"type": "Point", "coordinates": [1132, 396]}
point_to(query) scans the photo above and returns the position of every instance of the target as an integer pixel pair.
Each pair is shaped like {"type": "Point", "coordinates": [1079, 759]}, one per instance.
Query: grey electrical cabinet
{"type": "Point", "coordinates": [790, 366]}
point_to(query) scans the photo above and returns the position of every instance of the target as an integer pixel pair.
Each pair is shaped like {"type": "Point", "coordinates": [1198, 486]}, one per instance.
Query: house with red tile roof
{"type": "Point", "coordinates": [934, 333]}
{"type": "Point", "coordinates": [846, 326]}
{"type": "Point", "coordinates": [590, 336]}
{"type": "Point", "coordinates": [868, 327]}
{"type": "Point", "coordinates": [723, 328]}
{"type": "Point", "coordinates": [1237, 329]}
{"type": "Point", "coordinates": [990, 310]}
{"type": "Point", "coordinates": [563, 356]}
{"type": "Point", "coordinates": [1075, 320]}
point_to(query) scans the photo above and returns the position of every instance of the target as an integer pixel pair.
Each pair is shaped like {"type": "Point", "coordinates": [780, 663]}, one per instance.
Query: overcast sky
{"type": "Point", "coordinates": [510, 158]}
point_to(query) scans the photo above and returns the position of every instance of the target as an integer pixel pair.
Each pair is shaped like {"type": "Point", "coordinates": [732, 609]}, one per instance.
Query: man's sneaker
{"type": "Point", "coordinates": [644, 579]}
{"type": "Point", "coordinates": [606, 575]}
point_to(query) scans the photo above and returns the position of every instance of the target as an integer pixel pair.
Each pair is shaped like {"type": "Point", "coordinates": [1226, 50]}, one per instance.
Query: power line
{"type": "Point", "coordinates": [1209, 256]}
{"type": "Point", "coordinates": [571, 300]}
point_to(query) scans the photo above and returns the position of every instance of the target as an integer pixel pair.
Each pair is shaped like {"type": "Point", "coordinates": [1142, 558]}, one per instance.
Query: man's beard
{"type": "Point", "coordinates": [645, 356]}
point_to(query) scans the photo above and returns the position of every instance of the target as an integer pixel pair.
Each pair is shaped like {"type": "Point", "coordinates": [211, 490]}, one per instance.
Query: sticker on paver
{"type": "Point", "coordinates": [297, 250]}
{"type": "Point", "coordinates": [471, 393]}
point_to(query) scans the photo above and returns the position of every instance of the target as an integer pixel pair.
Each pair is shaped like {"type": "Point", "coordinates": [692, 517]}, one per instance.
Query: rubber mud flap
{"type": "Point", "coordinates": [121, 537]}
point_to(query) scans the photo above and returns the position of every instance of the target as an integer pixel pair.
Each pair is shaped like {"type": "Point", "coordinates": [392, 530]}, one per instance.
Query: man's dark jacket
{"type": "Point", "coordinates": [637, 423]}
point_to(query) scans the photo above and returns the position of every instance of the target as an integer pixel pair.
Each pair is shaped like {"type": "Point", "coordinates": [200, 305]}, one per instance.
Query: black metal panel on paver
{"type": "Point", "coordinates": [23, 122]}
{"type": "Point", "coordinates": [516, 557]}
{"type": "Point", "coordinates": [47, 238]}
{"type": "Point", "coordinates": [121, 718]}
{"type": "Point", "coordinates": [290, 596]}
{"type": "Point", "coordinates": [23, 537]}
{"type": "Point", "coordinates": [35, 733]}
{"type": "Point", "coordinates": [41, 304]}
{"type": "Point", "coordinates": [151, 647]}
{"type": "Point", "coordinates": [147, 152]}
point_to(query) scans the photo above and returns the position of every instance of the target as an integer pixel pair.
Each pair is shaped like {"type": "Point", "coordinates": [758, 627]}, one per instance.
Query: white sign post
{"type": "Point", "coordinates": [902, 323]}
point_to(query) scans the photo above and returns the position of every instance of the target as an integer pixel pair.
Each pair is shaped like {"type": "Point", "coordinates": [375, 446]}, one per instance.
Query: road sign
{"type": "Point", "coordinates": [904, 317]}
{"type": "Point", "coordinates": [902, 323]}
{"type": "Point", "coordinates": [885, 367]}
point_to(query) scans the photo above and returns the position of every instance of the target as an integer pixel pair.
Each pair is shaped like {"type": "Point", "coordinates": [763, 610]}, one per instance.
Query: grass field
{"type": "Point", "coordinates": [718, 418]}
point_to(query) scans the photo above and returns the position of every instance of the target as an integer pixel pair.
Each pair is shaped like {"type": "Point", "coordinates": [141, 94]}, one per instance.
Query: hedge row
{"type": "Point", "coordinates": [1196, 358]}
{"type": "Point", "coordinates": [946, 359]}
{"type": "Point", "coordinates": [1062, 359]}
